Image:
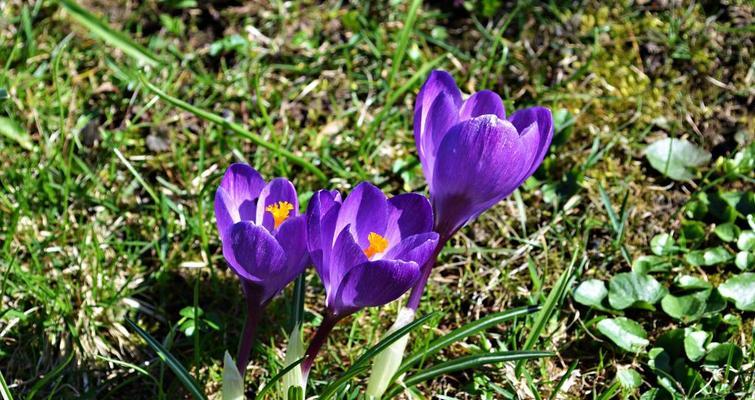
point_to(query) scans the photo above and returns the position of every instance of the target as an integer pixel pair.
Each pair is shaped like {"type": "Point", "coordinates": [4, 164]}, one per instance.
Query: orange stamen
{"type": "Point", "coordinates": [378, 244]}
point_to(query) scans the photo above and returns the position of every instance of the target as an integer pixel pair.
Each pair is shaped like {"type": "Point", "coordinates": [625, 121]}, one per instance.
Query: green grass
{"type": "Point", "coordinates": [111, 147]}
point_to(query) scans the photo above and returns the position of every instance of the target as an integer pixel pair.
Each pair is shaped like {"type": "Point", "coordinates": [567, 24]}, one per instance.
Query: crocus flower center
{"type": "Point", "coordinates": [378, 244]}
{"type": "Point", "coordinates": [280, 211]}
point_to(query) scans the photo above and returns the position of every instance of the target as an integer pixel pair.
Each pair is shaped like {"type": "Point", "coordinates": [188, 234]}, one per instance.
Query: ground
{"type": "Point", "coordinates": [106, 202]}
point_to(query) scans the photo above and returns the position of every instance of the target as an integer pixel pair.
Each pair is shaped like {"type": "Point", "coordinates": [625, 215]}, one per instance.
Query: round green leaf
{"type": "Point", "coordinates": [740, 289]}
{"type": "Point", "coordinates": [693, 231]}
{"type": "Point", "coordinates": [662, 244]}
{"type": "Point", "coordinates": [686, 308]}
{"type": "Point", "coordinates": [628, 378]}
{"type": "Point", "coordinates": [645, 264]}
{"type": "Point", "coordinates": [632, 289]}
{"type": "Point", "coordinates": [746, 241]}
{"type": "Point", "coordinates": [591, 293]}
{"type": "Point", "coordinates": [708, 257]}
{"type": "Point", "coordinates": [625, 333]}
{"type": "Point", "coordinates": [727, 232]}
{"type": "Point", "coordinates": [694, 343]}
{"type": "Point", "coordinates": [745, 260]}
{"type": "Point", "coordinates": [692, 282]}
{"type": "Point", "coordinates": [724, 354]}
{"type": "Point", "coordinates": [676, 158]}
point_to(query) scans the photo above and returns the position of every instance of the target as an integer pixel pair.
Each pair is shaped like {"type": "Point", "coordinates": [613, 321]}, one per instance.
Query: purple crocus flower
{"type": "Point", "coordinates": [367, 249]}
{"type": "Point", "coordinates": [264, 239]}
{"type": "Point", "coordinates": [472, 155]}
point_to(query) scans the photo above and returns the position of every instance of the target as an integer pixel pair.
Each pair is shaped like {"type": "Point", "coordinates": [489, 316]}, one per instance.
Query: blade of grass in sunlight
{"type": "Point", "coordinates": [403, 40]}
{"type": "Point", "coordinates": [11, 130]}
{"type": "Point", "coordinates": [181, 373]}
{"type": "Point", "coordinates": [109, 35]}
{"type": "Point", "coordinates": [554, 299]}
{"type": "Point", "coordinates": [466, 362]}
{"type": "Point", "coordinates": [238, 129]}
{"type": "Point", "coordinates": [463, 332]}
{"type": "Point", "coordinates": [4, 390]}
{"type": "Point", "coordinates": [361, 363]}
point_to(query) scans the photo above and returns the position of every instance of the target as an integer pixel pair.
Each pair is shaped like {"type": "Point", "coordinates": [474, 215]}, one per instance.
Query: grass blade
{"type": "Point", "coordinates": [137, 176]}
{"type": "Point", "coordinates": [4, 390]}
{"type": "Point", "coordinates": [466, 362]}
{"type": "Point", "coordinates": [403, 40]}
{"type": "Point", "coordinates": [553, 300]}
{"type": "Point", "coordinates": [108, 34]}
{"type": "Point", "coordinates": [361, 363]}
{"type": "Point", "coordinates": [11, 130]}
{"type": "Point", "coordinates": [181, 373]}
{"type": "Point", "coordinates": [463, 332]}
{"type": "Point", "coordinates": [236, 128]}
{"type": "Point", "coordinates": [49, 377]}
{"type": "Point", "coordinates": [271, 383]}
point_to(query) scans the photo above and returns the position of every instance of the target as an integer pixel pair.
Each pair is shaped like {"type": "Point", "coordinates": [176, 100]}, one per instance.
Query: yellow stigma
{"type": "Point", "coordinates": [280, 211]}
{"type": "Point", "coordinates": [378, 244]}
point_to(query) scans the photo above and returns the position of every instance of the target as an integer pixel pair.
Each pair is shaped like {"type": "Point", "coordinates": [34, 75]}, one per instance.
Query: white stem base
{"type": "Point", "coordinates": [386, 364]}
{"type": "Point", "coordinates": [294, 351]}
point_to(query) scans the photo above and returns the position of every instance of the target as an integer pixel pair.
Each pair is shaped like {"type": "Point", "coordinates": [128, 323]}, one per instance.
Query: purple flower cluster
{"type": "Point", "coordinates": [369, 249]}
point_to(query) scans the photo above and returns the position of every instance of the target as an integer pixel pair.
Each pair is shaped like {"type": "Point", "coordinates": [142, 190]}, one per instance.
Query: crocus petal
{"type": "Point", "coordinates": [235, 199]}
{"type": "Point", "coordinates": [443, 115]}
{"type": "Point", "coordinates": [375, 283]}
{"type": "Point", "coordinates": [484, 102]}
{"type": "Point", "coordinates": [322, 214]}
{"type": "Point", "coordinates": [480, 160]}
{"type": "Point", "coordinates": [409, 214]}
{"type": "Point", "coordinates": [277, 190]}
{"type": "Point", "coordinates": [345, 255]}
{"type": "Point", "coordinates": [417, 248]}
{"type": "Point", "coordinates": [440, 93]}
{"type": "Point", "coordinates": [541, 138]}
{"type": "Point", "coordinates": [253, 253]}
{"type": "Point", "coordinates": [292, 237]}
{"type": "Point", "coordinates": [365, 210]}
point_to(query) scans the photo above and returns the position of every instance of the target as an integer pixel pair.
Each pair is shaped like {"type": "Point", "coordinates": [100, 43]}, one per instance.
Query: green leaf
{"type": "Point", "coordinates": [181, 373]}
{"type": "Point", "coordinates": [628, 378]}
{"type": "Point", "coordinates": [675, 158]}
{"type": "Point", "coordinates": [686, 308]}
{"type": "Point", "coordinates": [728, 232]}
{"type": "Point", "coordinates": [662, 244]}
{"type": "Point", "coordinates": [746, 241]}
{"type": "Point", "coordinates": [109, 35]}
{"type": "Point", "coordinates": [360, 364]}
{"type": "Point", "coordinates": [694, 343]}
{"type": "Point", "coordinates": [463, 363]}
{"type": "Point", "coordinates": [745, 260]}
{"type": "Point", "coordinates": [13, 131]}
{"type": "Point", "coordinates": [740, 289]}
{"type": "Point", "coordinates": [691, 282]}
{"type": "Point", "coordinates": [625, 333]}
{"type": "Point", "coordinates": [591, 293]}
{"type": "Point", "coordinates": [461, 333]}
{"type": "Point", "coordinates": [632, 289]}
{"type": "Point", "coordinates": [725, 354]}
{"type": "Point", "coordinates": [646, 264]}
{"type": "Point", "coordinates": [708, 257]}
{"type": "Point", "coordinates": [693, 231]}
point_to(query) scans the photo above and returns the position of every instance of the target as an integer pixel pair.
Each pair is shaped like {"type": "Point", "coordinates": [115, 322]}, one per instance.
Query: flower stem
{"type": "Point", "coordinates": [314, 346]}
{"type": "Point", "coordinates": [253, 314]}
